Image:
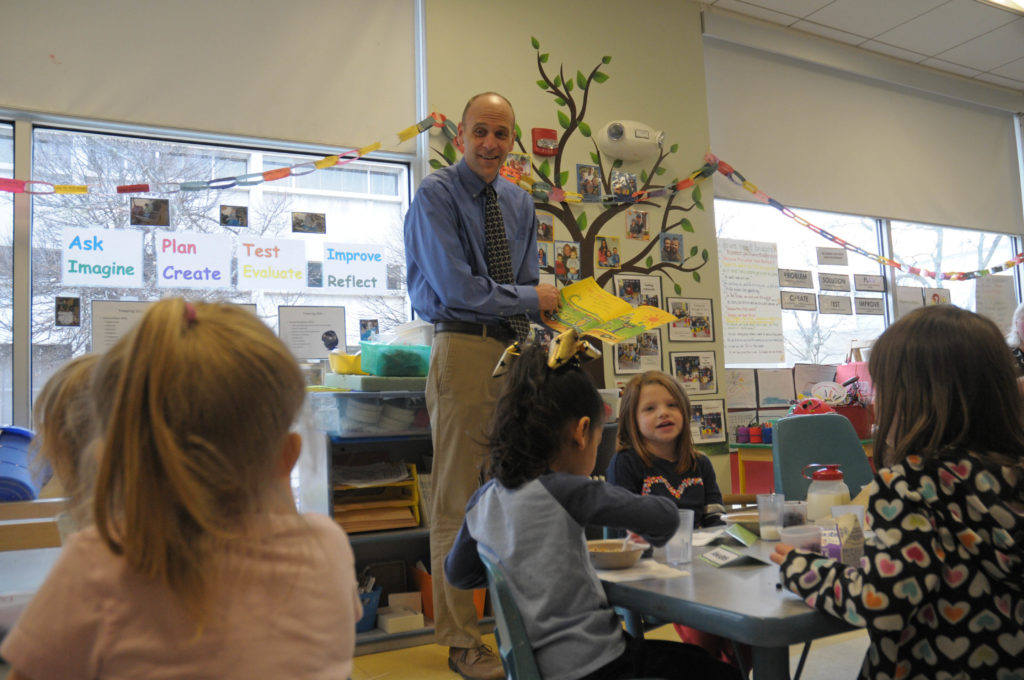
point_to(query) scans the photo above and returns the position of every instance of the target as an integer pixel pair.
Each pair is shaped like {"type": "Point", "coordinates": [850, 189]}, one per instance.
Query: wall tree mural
{"type": "Point", "coordinates": [572, 95]}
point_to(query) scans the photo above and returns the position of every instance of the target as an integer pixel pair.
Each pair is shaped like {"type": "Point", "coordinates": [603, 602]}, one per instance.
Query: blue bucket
{"type": "Point", "coordinates": [16, 481]}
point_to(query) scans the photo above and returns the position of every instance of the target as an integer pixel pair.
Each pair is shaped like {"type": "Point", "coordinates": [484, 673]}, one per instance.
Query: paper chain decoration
{"type": "Point", "coordinates": [35, 186]}
{"type": "Point", "coordinates": [539, 190]}
{"type": "Point", "coordinates": [711, 161]}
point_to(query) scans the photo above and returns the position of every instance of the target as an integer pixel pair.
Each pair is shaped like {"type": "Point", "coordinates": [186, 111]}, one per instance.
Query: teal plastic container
{"type": "Point", "coordinates": [378, 358]}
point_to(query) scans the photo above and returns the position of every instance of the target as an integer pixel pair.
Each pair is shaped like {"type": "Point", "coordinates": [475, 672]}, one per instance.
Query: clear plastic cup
{"type": "Point", "coordinates": [804, 537]}
{"type": "Point", "coordinates": [770, 507]}
{"type": "Point", "coordinates": [679, 549]}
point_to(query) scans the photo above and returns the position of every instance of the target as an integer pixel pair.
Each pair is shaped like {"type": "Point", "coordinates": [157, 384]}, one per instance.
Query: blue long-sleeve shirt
{"type": "Point", "coordinates": [445, 249]}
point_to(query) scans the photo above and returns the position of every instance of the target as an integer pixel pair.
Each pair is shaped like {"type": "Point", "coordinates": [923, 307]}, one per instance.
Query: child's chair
{"type": "Point", "coordinates": [513, 645]}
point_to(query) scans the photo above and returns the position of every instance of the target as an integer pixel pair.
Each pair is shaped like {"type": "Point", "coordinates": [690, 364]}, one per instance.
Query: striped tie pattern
{"type": "Point", "coordinates": [499, 262]}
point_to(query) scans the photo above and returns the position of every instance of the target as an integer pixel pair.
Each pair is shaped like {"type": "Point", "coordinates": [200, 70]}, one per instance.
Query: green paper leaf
{"type": "Point", "coordinates": [673, 148]}
{"type": "Point", "coordinates": [519, 132]}
{"type": "Point", "coordinates": [600, 77]}
{"type": "Point", "coordinates": [545, 169]}
{"type": "Point", "coordinates": [606, 60]}
{"type": "Point", "coordinates": [581, 221]}
{"type": "Point", "coordinates": [581, 79]}
{"type": "Point", "coordinates": [686, 225]}
{"type": "Point", "coordinates": [704, 255]}
{"type": "Point", "coordinates": [563, 177]}
{"type": "Point", "coordinates": [649, 262]}
{"type": "Point", "coordinates": [558, 81]}
{"type": "Point", "coordinates": [542, 84]}
{"type": "Point", "coordinates": [617, 163]}
{"type": "Point", "coordinates": [449, 153]}
{"type": "Point", "coordinates": [696, 276]}
{"type": "Point", "coordinates": [568, 86]}
{"type": "Point", "coordinates": [693, 251]}
{"type": "Point", "coordinates": [535, 43]}
{"type": "Point", "coordinates": [699, 205]}
{"type": "Point", "coordinates": [559, 101]}
{"type": "Point", "coordinates": [678, 289]}
{"type": "Point", "coordinates": [584, 129]}
{"type": "Point", "coordinates": [696, 194]}
{"type": "Point", "coordinates": [660, 170]}
{"type": "Point", "coordinates": [595, 158]}
{"type": "Point", "coordinates": [563, 120]}
{"type": "Point", "coordinates": [643, 176]}
{"type": "Point", "coordinates": [436, 164]}
{"type": "Point", "coordinates": [544, 58]}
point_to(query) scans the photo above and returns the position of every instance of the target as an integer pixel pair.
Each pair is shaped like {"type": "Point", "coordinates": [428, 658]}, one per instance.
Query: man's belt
{"type": "Point", "coordinates": [499, 332]}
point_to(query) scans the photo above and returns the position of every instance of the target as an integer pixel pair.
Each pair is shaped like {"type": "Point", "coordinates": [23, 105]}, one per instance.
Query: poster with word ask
{"type": "Point", "coordinates": [185, 260]}
{"type": "Point", "coordinates": [354, 269]}
{"type": "Point", "coordinates": [271, 264]}
{"type": "Point", "coordinates": [108, 258]}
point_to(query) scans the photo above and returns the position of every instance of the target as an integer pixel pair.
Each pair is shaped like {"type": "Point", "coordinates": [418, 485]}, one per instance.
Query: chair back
{"type": "Point", "coordinates": [798, 441]}
{"type": "Point", "coordinates": [513, 646]}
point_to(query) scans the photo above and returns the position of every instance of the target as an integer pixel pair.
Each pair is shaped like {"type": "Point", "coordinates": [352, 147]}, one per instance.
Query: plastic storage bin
{"type": "Point", "coordinates": [370, 602]}
{"type": "Point", "coordinates": [395, 360]}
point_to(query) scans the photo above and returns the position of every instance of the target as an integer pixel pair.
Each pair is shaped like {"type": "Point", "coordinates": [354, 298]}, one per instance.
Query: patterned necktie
{"type": "Point", "coordinates": [499, 263]}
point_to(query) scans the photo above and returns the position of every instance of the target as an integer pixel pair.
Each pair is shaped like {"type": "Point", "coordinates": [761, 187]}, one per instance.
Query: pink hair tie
{"type": "Point", "coordinates": [190, 313]}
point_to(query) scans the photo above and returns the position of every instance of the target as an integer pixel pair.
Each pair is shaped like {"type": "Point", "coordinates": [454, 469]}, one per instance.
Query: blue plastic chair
{"type": "Point", "coordinates": [823, 438]}
{"type": "Point", "coordinates": [509, 630]}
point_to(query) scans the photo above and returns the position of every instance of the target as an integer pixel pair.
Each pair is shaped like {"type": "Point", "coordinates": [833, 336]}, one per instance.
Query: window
{"type": "Point", "coordinates": [6, 275]}
{"type": "Point", "coordinates": [811, 337]}
{"type": "Point", "coordinates": [361, 202]}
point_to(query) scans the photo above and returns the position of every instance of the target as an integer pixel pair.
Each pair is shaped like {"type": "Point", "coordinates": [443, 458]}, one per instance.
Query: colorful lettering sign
{"type": "Point", "coordinates": [186, 260]}
{"type": "Point", "coordinates": [108, 258]}
{"type": "Point", "coordinates": [354, 269]}
{"type": "Point", "coordinates": [265, 263]}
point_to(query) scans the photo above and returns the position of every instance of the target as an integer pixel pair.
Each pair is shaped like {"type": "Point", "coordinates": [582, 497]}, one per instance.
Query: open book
{"type": "Point", "coordinates": [593, 311]}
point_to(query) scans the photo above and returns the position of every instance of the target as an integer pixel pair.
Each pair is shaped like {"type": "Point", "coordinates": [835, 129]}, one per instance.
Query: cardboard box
{"type": "Point", "coordinates": [398, 619]}
{"type": "Point", "coordinates": [425, 583]}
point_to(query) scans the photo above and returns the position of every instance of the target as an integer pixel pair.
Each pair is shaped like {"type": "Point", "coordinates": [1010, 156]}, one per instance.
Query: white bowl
{"type": "Point", "coordinates": [608, 553]}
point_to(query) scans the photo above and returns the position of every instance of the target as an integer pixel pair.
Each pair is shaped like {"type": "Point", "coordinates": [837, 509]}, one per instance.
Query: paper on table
{"type": "Point", "coordinates": [644, 569]}
{"type": "Point", "coordinates": [706, 536]}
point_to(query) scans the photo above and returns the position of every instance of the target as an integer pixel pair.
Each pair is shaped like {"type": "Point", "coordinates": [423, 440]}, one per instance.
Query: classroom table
{"type": "Point", "coordinates": [762, 453]}
{"type": "Point", "coordinates": [735, 601]}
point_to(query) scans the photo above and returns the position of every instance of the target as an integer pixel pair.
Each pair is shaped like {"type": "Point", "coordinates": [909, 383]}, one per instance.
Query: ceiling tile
{"type": "Point", "coordinates": [869, 18]}
{"type": "Point", "coordinates": [827, 32]}
{"type": "Point", "coordinates": [951, 67]}
{"type": "Point", "coordinates": [946, 27]}
{"type": "Point", "coordinates": [1015, 70]}
{"type": "Point", "coordinates": [992, 50]}
{"type": "Point", "coordinates": [749, 10]}
{"type": "Point", "coordinates": [897, 52]}
{"type": "Point", "coordinates": [794, 8]}
{"type": "Point", "coordinates": [1005, 82]}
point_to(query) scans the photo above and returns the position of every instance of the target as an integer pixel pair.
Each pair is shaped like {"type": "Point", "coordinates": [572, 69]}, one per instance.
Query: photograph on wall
{"type": "Point", "coordinates": [543, 254]}
{"type": "Point", "coordinates": [150, 212]}
{"type": "Point", "coordinates": [68, 311]}
{"type": "Point", "coordinates": [608, 252]}
{"type": "Point", "coordinates": [588, 181]}
{"type": "Point", "coordinates": [315, 274]}
{"type": "Point", "coordinates": [696, 320]}
{"type": "Point", "coordinates": [545, 227]}
{"type": "Point", "coordinates": [695, 371]}
{"type": "Point", "coordinates": [234, 216]}
{"type": "Point", "coordinates": [638, 289]}
{"type": "Point", "coordinates": [623, 183]}
{"type": "Point", "coordinates": [309, 223]}
{"type": "Point", "coordinates": [936, 296]}
{"type": "Point", "coordinates": [518, 164]}
{"type": "Point", "coordinates": [567, 260]}
{"type": "Point", "coordinates": [636, 225]}
{"type": "Point", "coordinates": [707, 422]}
{"type": "Point", "coordinates": [671, 247]}
{"type": "Point", "coordinates": [369, 329]}
{"type": "Point", "coordinates": [639, 354]}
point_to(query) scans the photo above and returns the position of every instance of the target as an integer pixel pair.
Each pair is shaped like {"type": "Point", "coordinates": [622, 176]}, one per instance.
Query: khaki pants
{"type": "Point", "coordinates": [461, 395]}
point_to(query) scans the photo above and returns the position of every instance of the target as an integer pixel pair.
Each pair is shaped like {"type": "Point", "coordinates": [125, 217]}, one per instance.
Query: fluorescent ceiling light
{"type": "Point", "coordinates": [1009, 5]}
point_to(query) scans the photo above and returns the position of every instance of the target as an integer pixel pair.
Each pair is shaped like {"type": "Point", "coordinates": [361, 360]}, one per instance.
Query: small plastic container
{"type": "Point", "coordinates": [370, 602]}
{"type": "Point", "coordinates": [826, 490]}
{"type": "Point", "coordinates": [395, 360]}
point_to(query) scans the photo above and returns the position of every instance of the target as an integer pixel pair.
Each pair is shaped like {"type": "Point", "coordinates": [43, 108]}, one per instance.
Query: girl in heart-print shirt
{"type": "Point", "coordinates": [939, 588]}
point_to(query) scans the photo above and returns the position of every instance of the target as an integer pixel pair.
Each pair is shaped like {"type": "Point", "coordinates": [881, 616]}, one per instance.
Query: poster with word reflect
{"type": "Point", "coordinates": [355, 269]}
{"type": "Point", "coordinates": [271, 264]}
{"type": "Point", "coordinates": [185, 260]}
{"type": "Point", "coordinates": [111, 258]}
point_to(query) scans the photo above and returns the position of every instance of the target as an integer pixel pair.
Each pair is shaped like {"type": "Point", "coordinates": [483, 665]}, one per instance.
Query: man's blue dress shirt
{"type": "Point", "coordinates": [446, 272]}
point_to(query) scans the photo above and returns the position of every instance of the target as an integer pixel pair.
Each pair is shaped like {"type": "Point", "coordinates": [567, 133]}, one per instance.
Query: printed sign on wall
{"type": "Point", "coordinates": [101, 257]}
{"type": "Point", "coordinates": [271, 264]}
{"type": "Point", "coordinates": [354, 269]}
{"type": "Point", "coordinates": [186, 260]}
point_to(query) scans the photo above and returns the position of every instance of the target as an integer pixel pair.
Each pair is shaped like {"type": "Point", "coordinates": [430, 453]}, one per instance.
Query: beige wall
{"type": "Point", "coordinates": [656, 77]}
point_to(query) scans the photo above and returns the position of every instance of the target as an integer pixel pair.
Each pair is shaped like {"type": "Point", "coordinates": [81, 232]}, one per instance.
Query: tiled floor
{"type": "Point", "coordinates": [834, 658]}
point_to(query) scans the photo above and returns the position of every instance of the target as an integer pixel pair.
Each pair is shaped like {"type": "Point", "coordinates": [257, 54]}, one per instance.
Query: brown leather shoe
{"type": "Point", "coordinates": [476, 663]}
